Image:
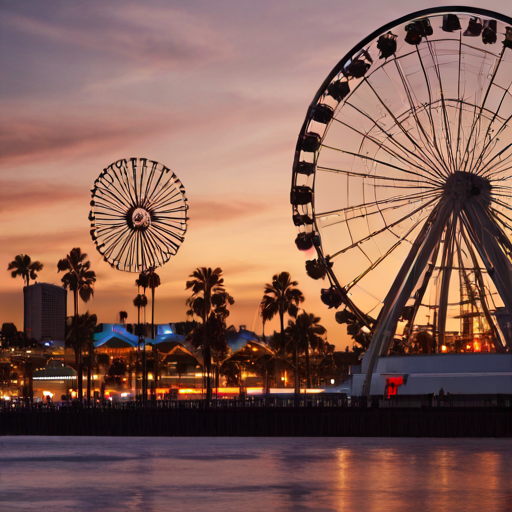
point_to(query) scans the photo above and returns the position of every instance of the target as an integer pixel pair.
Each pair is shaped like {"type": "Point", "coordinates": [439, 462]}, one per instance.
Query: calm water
{"type": "Point", "coordinates": [239, 474]}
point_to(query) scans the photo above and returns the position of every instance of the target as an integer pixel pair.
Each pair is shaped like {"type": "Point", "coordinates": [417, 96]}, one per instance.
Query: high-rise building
{"type": "Point", "coordinates": [45, 312]}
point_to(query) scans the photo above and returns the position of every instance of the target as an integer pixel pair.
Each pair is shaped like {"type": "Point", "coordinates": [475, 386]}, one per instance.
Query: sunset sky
{"type": "Point", "coordinates": [215, 90]}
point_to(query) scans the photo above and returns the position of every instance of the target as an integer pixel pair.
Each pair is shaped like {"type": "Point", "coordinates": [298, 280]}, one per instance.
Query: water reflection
{"type": "Point", "coordinates": [299, 474]}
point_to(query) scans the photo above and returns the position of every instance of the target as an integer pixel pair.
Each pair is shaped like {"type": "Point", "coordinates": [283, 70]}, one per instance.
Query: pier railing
{"type": "Point", "coordinates": [290, 401]}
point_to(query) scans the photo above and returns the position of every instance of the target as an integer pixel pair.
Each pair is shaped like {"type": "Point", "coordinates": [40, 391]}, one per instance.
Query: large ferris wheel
{"type": "Point", "coordinates": [402, 183]}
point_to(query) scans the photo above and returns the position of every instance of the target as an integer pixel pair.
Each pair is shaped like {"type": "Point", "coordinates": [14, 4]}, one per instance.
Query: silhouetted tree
{"type": "Point", "coordinates": [80, 337]}
{"type": "Point", "coordinates": [23, 266]}
{"type": "Point", "coordinates": [306, 332]}
{"type": "Point", "coordinates": [279, 298]}
{"type": "Point", "coordinates": [139, 302]}
{"type": "Point", "coordinates": [209, 301]}
{"type": "Point", "coordinates": [80, 279]}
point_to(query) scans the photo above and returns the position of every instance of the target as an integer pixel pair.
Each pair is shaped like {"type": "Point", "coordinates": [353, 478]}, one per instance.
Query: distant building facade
{"type": "Point", "coordinates": [45, 308]}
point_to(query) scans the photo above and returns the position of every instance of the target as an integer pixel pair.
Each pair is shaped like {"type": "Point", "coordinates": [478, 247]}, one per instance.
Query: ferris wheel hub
{"type": "Point", "coordinates": [141, 218]}
{"type": "Point", "coordinates": [464, 186]}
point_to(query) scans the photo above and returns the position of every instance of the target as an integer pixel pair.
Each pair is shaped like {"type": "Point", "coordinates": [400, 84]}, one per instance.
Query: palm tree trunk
{"type": "Point", "coordinates": [280, 383]}
{"type": "Point", "coordinates": [207, 356]}
{"type": "Point", "coordinates": [296, 373]}
{"type": "Point", "coordinates": [155, 348]}
{"type": "Point", "coordinates": [79, 345]}
{"type": "Point", "coordinates": [310, 385]}
{"type": "Point", "coordinates": [137, 362]}
{"type": "Point", "coordinates": [89, 362]}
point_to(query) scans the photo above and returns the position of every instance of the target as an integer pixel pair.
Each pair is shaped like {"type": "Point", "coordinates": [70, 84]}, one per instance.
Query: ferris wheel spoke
{"type": "Point", "coordinates": [111, 181]}
{"type": "Point", "coordinates": [482, 154]}
{"type": "Point", "coordinates": [113, 246]}
{"type": "Point", "coordinates": [493, 141]}
{"type": "Point", "coordinates": [149, 181]}
{"type": "Point", "coordinates": [110, 200]}
{"type": "Point", "coordinates": [501, 203]}
{"type": "Point", "coordinates": [477, 118]}
{"type": "Point", "coordinates": [380, 144]}
{"type": "Point", "coordinates": [376, 177]}
{"type": "Point", "coordinates": [500, 213]}
{"type": "Point", "coordinates": [497, 166]}
{"type": "Point", "coordinates": [440, 158]}
{"type": "Point", "coordinates": [432, 141]}
{"type": "Point", "coordinates": [406, 199]}
{"type": "Point", "coordinates": [385, 228]}
{"type": "Point", "coordinates": [178, 224]}
{"type": "Point", "coordinates": [405, 132]}
{"type": "Point", "coordinates": [153, 243]}
{"type": "Point", "coordinates": [420, 165]}
{"type": "Point", "coordinates": [430, 147]}
{"type": "Point", "coordinates": [111, 229]}
{"type": "Point", "coordinates": [365, 214]}
{"type": "Point", "coordinates": [163, 191]}
{"type": "Point", "coordinates": [366, 157]}
{"type": "Point", "coordinates": [376, 263]}
{"type": "Point", "coordinates": [124, 179]}
{"type": "Point", "coordinates": [446, 124]}
{"type": "Point", "coordinates": [159, 233]}
{"type": "Point", "coordinates": [175, 199]}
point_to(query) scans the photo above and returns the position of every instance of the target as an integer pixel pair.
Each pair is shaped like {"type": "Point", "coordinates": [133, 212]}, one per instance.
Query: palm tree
{"type": "Point", "coordinates": [153, 280]}
{"type": "Point", "coordinates": [142, 282]}
{"type": "Point", "coordinates": [141, 301]}
{"type": "Point", "coordinates": [153, 283]}
{"type": "Point", "coordinates": [80, 279]}
{"type": "Point", "coordinates": [23, 266]}
{"type": "Point", "coordinates": [81, 337]}
{"type": "Point", "coordinates": [123, 315]}
{"type": "Point", "coordinates": [281, 297]}
{"type": "Point", "coordinates": [306, 333]}
{"type": "Point", "coordinates": [209, 301]}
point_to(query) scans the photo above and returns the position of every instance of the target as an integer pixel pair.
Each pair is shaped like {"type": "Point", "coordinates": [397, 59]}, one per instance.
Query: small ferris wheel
{"type": "Point", "coordinates": [138, 214]}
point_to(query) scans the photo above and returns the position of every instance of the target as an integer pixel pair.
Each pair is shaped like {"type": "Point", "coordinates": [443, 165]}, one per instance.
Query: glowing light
{"type": "Point", "coordinates": [150, 376]}
{"type": "Point", "coordinates": [6, 398]}
{"type": "Point", "coordinates": [254, 349]}
{"type": "Point", "coordinates": [95, 377]}
{"type": "Point", "coordinates": [63, 377]}
{"type": "Point", "coordinates": [476, 346]}
{"type": "Point", "coordinates": [332, 381]}
{"type": "Point", "coordinates": [468, 347]}
{"type": "Point", "coordinates": [73, 394]}
{"type": "Point", "coordinates": [47, 393]}
{"type": "Point", "coordinates": [444, 348]}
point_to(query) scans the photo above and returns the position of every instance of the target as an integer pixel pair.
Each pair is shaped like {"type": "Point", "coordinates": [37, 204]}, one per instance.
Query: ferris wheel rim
{"type": "Point", "coordinates": [137, 230]}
